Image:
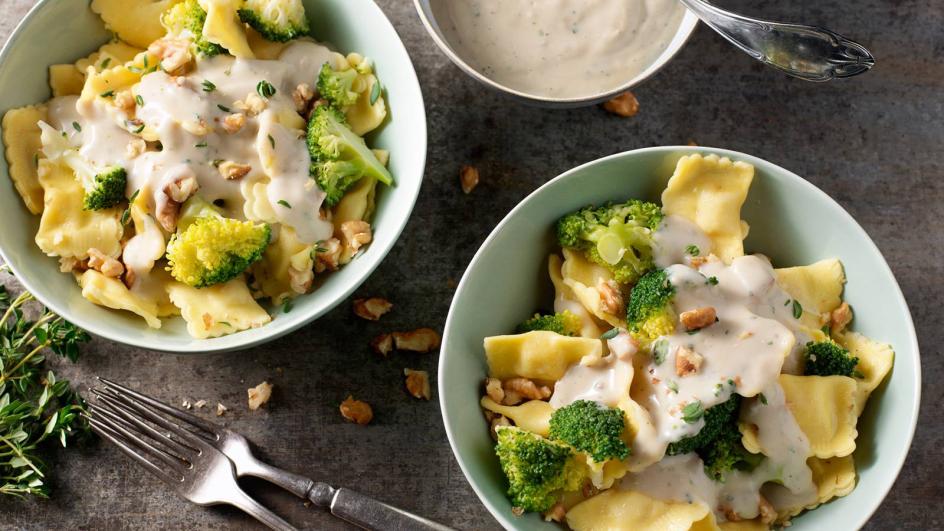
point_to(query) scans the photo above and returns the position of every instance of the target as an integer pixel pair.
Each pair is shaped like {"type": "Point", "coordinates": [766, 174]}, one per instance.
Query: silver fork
{"type": "Point", "coordinates": [196, 470]}
{"type": "Point", "coordinates": [346, 504]}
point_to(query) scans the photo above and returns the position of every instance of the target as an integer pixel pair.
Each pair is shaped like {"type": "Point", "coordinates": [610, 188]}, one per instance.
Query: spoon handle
{"type": "Point", "coordinates": [806, 52]}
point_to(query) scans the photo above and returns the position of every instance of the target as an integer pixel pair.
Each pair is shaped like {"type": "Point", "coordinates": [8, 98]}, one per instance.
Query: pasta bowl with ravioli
{"type": "Point", "coordinates": [204, 175]}
{"type": "Point", "coordinates": [686, 338]}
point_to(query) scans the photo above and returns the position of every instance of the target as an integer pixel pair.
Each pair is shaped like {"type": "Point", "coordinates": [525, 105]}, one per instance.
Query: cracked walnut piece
{"type": "Point", "coordinates": [527, 389]}
{"type": "Point", "coordinates": [371, 309]}
{"type": "Point", "coordinates": [687, 361]}
{"type": "Point", "coordinates": [417, 383]}
{"type": "Point", "coordinates": [382, 344]}
{"type": "Point", "coordinates": [234, 122]}
{"type": "Point", "coordinates": [356, 234]}
{"type": "Point", "coordinates": [625, 105]}
{"type": "Point", "coordinates": [174, 54]}
{"type": "Point", "coordinates": [356, 411]}
{"type": "Point", "coordinates": [327, 258]}
{"type": "Point", "coordinates": [419, 340]}
{"type": "Point", "coordinates": [698, 318]}
{"type": "Point", "coordinates": [840, 318]}
{"type": "Point", "coordinates": [493, 388]}
{"type": "Point", "coordinates": [259, 395]}
{"type": "Point", "coordinates": [104, 264]}
{"type": "Point", "coordinates": [611, 300]}
{"type": "Point", "coordinates": [468, 178]}
{"type": "Point", "coordinates": [233, 170]}
{"type": "Point", "coordinates": [302, 96]}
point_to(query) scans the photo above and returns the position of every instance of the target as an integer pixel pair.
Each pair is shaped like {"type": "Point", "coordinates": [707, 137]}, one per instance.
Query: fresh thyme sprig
{"type": "Point", "coordinates": [36, 407]}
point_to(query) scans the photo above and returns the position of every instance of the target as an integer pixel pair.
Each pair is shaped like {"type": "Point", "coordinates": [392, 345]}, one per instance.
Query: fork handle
{"type": "Point", "coordinates": [254, 509]}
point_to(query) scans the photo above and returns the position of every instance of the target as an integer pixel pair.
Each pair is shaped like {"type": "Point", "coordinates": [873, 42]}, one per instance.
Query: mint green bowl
{"type": "Point", "coordinates": [791, 221]}
{"type": "Point", "coordinates": [63, 31]}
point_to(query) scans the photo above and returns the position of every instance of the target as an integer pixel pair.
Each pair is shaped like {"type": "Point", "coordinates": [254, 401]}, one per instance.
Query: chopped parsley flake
{"type": "Point", "coordinates": [797, 309]}
{"type": "Point", "coordinates": [265, 89]}
{"type": "Point", "coordinates": [284, 203]}
{"type": "Point", "coordinates": [692, 250]}
{"type": "Point", "coordinates": [208, 86]}
{"type": "Point", "coordinates": [693, 412]}
{"type": "Point", "coordinates": [660, 349]}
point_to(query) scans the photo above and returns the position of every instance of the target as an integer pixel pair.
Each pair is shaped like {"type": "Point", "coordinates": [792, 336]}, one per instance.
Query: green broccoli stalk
{"type": "Point", "coordinates": [186, 20]}
{"type": "Point", "coordinates": [276, 20]}
{"type": "Point", "coordinates": [564, 323]}
{"type": "Point", "coordinates": [336, 86]}
{"type": "Point", "coordinates": [538, 470]}
{"type": "Point", "coordinates": [719, 442]}
{"type": "Point", "coordinates": [340, 158]}
{"type": "Point", "coordinates": [209, 249]}
{"type": "Point", "coordinates": [592, 428]}
{"type": "Point", "coordinates": [649, 312]}
{"type": "Point", "coordinates": [616, 236]}
{"type": "Point", "coordinates": [103, 189]}
{"type": "Point", "coordinates": [828, 358]}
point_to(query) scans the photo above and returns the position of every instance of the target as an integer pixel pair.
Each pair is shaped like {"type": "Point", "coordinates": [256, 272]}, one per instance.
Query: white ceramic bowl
{"type": "Point", "coordinates": [348, 25]}
{"type": "Point", "coordinates": [507, 280]}
{"type": "Point", "coordinates": [427, 13]}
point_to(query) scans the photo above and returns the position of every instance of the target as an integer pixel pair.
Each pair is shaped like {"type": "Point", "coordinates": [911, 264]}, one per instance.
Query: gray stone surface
{"type": "Point", "coordinates": [873, 143]}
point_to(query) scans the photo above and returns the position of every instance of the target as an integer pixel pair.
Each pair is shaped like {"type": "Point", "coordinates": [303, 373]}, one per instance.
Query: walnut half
{"type": "Point", "coordinates": [419, 340]}
{"type": "Point", "coordinates": [259, 395]}
{"type": "Point", "coordinates": [372, 309]}
{"type": "Point", "coordinates": [417, 383]}
{"type": "Point", "coordinates": [356, 411]}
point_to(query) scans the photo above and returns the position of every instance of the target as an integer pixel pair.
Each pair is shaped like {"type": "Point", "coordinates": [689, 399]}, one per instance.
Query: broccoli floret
{"type": "Point", "coordinates": [616, 236]}
{"type": "Point", "coordinates": [276, 20]}
{"type": "Point", "coordinates": [209, 249]}
{"type": "Point", "coordinates": [563, 323]}
{"type": "Point", "coordinates": [186, 20]}
{"type": "Point", "coordinates": [103, 189]}
{"type": "Point", "coordinates": [828, 358]}
{"type": "Point", "coordinates": [340, 158]}
{"type": "Point", "coordinates": [649, 312]}
{"type": "Point", "coordinates": [538, 469]}
{"type": "Point", "coordinates": [719, 442]}
{"type": "Point", "coordinates": [592, 428]}
{"type": "Point", "coordinates": [336, 86]}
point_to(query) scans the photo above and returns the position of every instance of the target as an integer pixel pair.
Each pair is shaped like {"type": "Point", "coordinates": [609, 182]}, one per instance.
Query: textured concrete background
{"type": "Point", "coordinates": [873, 143]}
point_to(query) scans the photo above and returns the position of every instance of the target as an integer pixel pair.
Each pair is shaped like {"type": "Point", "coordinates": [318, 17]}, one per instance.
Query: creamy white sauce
{"type": "Point", "coordinates": [673, 241]}
{"type": "Point", "coordinates": [559, 48]}
{"type": "Point", "coordinates": [606, 382]}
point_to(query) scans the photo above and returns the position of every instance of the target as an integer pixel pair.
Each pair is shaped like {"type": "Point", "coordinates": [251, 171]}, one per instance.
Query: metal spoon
{"type": "Point", "coordinates": [806, 52]}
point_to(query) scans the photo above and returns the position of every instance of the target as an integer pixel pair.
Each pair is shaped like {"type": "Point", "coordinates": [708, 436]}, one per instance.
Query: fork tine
{"type": "Point", "coordinates": [189, 438]}
{"type": "Point", "coordinates": [115, 406]}
{"type": "Point", "coordinates": [116, 439]}
{"type": "Point", "coordinates": [161, 406]}
{"type": "Point", "coordinates": [172, 461]}
{"type": "Point", "coordinates": [174, 448]}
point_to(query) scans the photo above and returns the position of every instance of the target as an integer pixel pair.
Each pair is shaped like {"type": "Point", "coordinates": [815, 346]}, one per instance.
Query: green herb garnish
{"type": "Point", "coordinates": [265, 89]}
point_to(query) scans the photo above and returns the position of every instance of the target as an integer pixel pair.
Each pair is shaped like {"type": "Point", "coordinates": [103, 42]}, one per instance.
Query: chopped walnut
{"type": "Point", "coordinates": [493, 388]}
{"type": "Point", "coordinates": [356, 234]}
{"type": "Point", "coordinates": [371, 309]}
{"type": "Point", "coordinates": [135, 147]}
{"type": "Point", "coordinates": [259, 395]}
{"type": "Point", "coordinates": [589, 490]}
{"type": "Point", "coordinates": [67, 264]}
{"type": "Point", "coordinates": [174, 54]}
{"type": "Point", "coordinates": [233, 170]}
{"type": "Point", "coordinates": [199, 404]}
{"type": "Point", "coordinates": [687, 361]}
{"type": "Point", "coordinates": [468, 178]}
{"type": "Point", "coordinates": [234, 122]}
{"type": "Point", "coordinates": [625, 105]}
{"type": "Point", "coordinates": [698, 318]}
{"type": "Point", "coordinates": [182, 188]}
{"type": "Point", "coordinates": [419, 340]}
{"type": "Point", "coordinates": [512, 398]}
{"type": "Point", "coordinates": [124, 100]}
{"type": "Point", "coordinates": [302, 96]}
{"type": "Point", "coordinates": [327, 255]}
{"type": "Point", "coordinates": [527, 388]}
{"type": "Point", "coordinates": [555, 513]}
{"type": "Point", "coordinates": [840, 318]}
{"type": "Point", "coordinates": [356, 411]}
{"type": "Point", "coordinates": [417, 383]}
{"type": "Point", "coordinates": [172, 196]}
{"type": "Point", "coordinates": [697, 261]}
{"type": "Point", "coordinates": [611, 300]}
{"type": "Point", "coordinates": [104, 264]}
{"type": "Point", "coordinates": [729, 514]}
{"type": "Point", "coordinates": [196, 127]}
{"type": "Point", "coordinates": [496, 423]}
{"type": "Point", "coordinates": [186, 404]}
{"type": "Point", "coordinates": [382, 344]}
{"type": "Point", "coordinates": [767, 512]}
{"type": "Point", "coordinates": [252, 105]}
{"type": "Point", "coordinates": [220, 409]}
{"type": "Point", "coordinates": [517, 511]}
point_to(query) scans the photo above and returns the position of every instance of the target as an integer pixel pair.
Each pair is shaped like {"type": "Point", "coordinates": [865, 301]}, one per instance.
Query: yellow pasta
{"type": "Point", "coordinates": [354, 206]}
{"type": "Point", "coordinates": [65, 80]}
{"type": "Point", "coordinates": [274, 271]}
{"type": "Point", "coordinates": [364, 117]}
{"type": "Point", "coordinates": [223, 27]}
{"type": "Point", "coordinates": [110, 54]}
{"type": "Point", "coordinates": [825, 409]}
{"type": "Point", "coordinates": [875, 361]}
{"type": "Point", "coordinates": [137, 22]}
{"type": "Point", "coordinates": [584, 278]}
{"type": "Point", "coordinates": [746, 525]}
{"type": "Point", "coordinates": [534, 415]}
{"type": "Point", "coordinates": [21, 138]}
{"type": "Point", "coordinates": [112, 293]}
{"type": "Point", "coordinates": [566, 299]}
{"type": "Point", "coordinates": [617, 510]}
{"type": "Point", "coordinates": [217, 310]}
{"type": "Point", "coordinates": [834, 477]}
{"type": "Point", "coordinates": [709, 191]}
{"type": "Point", "coordinates": [263, 48]}
{"type": "Point", "coordinates": [66, 229]}
{"type": "Point", "coordinates": [537, 355]}
{"type": "Point", "coordinates": [817, 286]}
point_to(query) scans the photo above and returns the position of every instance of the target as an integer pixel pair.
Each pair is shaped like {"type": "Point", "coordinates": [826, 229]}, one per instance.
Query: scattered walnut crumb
{"type": "Point", "coordinates": [611, 300]}
{"type": "Point", "coordinates": [512, 398]}
{"type": "Point", "coordinates": [135, 147]}
{"type": "Point", "coordinates": [327, 258]}
{"type": "Point", "coordinates": [302, 96]}
{"type": "Point", "coordinates": [625, 105]}
{"type": "Point", "coordinates": [419, 340]}
{"type": "Point", "coordinates": [767, 512]}
{"type": "Point", "coordinates": [697, 261]}
{"type": "Point", "coordinates": [259, 395]}
{"type": "Point", "coordinates": [555, 513]}
{"type": "Point", "coordinates": [186, 404]}
{"type": "Point", "coordinates": [372, 309]}
{"type": "Point", "coordinates": [417, 383]}
{"type": "Point", "coordinates": [840, 318]}
{"type": "Point", "coordinates": [730, 515]}
{"type": "Point", "coordinates": [687, 361]}
{"type": "Point", "coordinates": [220, 409]}
{"type": "Point", "coordinates": [382, 344]}
{"type": "Point", "coordinates": [252, 105]}
{"type": "Point", "coordinates": [517, 511]}
{"type": "Point", "coordinates": [468, 178]}
{"type": "Point", "coordinates": [174, 54]}
{"type": "Point", "coordinates": [493, 388]}
{"type": "Point", "coordinates": [356, 411]}
{"type": "Point", "coordinates": [356, 234]}
{"type": "Point", "coordinates": [173, 194]}
{"type": "Point", "coordinates": [124, 100]}
{"type": "Point", "coordinates": [497, 422]}
{"type": "Point", "coordinates": [104, 264]}
{"type": "Point", "coordinates": [300, 280]}
{"type": "Point", "coordinates": [234, 122]}
{"type": "Point", "coordinates": [199, 404]}
{"type": "Point", "coordinates": [196, 127]}
{"type": "Point", "coordinates": [67, 264]}
{"type": "Point", "coordinates": [233, 170]}
{"type": "Point", "coordinates": [698, 318]}
{"type": "Point", "coordinates": [527, 388]}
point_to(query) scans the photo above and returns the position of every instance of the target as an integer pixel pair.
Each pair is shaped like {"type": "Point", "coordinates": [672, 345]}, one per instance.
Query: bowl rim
{"type": "Point", "coordinates": [501, 515]}
{"type": "Point", "coordinates": [265, 333]}
{"type": "Point", "coordinates": [687, 27]}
